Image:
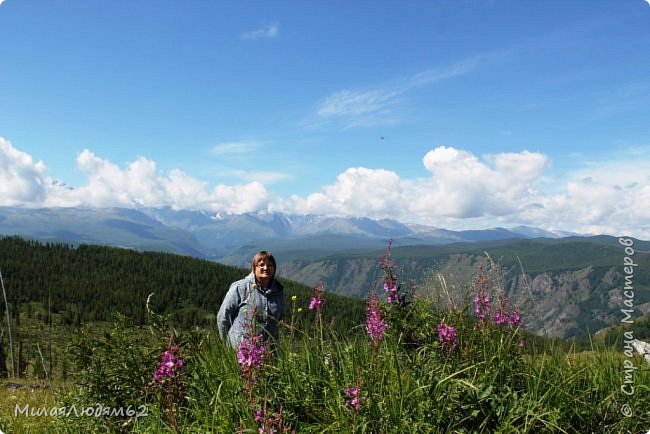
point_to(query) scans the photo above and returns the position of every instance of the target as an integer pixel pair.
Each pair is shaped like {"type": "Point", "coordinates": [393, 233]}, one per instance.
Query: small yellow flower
{"type": "Point", "coordinates": [294, 297]}
{"type": "Point", "coordinates": [245, 310]}
{"type": "Point", "coordinates": [300, 309]}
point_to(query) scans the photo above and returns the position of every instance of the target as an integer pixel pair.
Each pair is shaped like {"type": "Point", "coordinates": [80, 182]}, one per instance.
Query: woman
{"type": "Point", "coordinates": [258, 293]}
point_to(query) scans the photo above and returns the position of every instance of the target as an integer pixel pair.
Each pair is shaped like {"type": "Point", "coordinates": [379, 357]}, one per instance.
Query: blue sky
{"type": "Point", "coordinates": [454, 114]}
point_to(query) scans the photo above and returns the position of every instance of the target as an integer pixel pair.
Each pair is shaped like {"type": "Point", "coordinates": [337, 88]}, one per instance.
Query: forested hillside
{"type": "Point", "coordinates": [90, 283]}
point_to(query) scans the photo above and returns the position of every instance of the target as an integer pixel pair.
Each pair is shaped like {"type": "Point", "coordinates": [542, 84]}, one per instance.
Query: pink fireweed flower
{"type": "Point", "coordinates": [386, 262]}
{"type": "Point", "coordinates": [391, 287]}
{"type": "Point", "coordinates": [259, 415]}
{"type": "Point", "coordinates": [515, 319]}
{"type": "Point", "coordinates": [375, 323]}
{"type": "Point", "coordinates": [447, 336]}
{"type": "Point", "coordinates": [481, 305]}
{"type": "Point", "coordinates": [501, 317]}
{"type": "Point", "coordinates": [168, 380]}
{"type": "Point", "coordinates": [170, 366]}
{"type": "Point", "coordinates": [354, 400]}
{"type": "Point", "coordinates": [317, 301]}
{"type": "Point", "coordinates": [251, 354]}
{"type": "Point", "coordinates": [482, 297]}
{"type": "Point", "coordinates": [271, 422]}
{"type": "Point", "coordinates": [316, 304]}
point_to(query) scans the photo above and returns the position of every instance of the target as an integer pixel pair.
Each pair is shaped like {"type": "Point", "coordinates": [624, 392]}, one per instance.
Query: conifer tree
{"type": "Point", "coordinates": [3, 364]}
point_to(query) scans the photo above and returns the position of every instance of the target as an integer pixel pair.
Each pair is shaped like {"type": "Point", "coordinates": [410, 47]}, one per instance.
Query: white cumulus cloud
{"type": "Point", "coordinates": [139, 183]}
{"type": "Point", "coordinates": [21, 179]}
{"type": "Point", "coordinates": [109, 185]}
{"type": "Point", "coordinates": [462, 186]}
{"type": "Point", "coordinates": [461, 191]}
{"type": "Point", "coordinates": [507, 189]}
{"type": "Point", "coordinates": [357, 192]}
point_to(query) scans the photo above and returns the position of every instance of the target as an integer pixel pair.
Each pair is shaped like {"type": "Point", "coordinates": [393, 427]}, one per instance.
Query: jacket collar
{"type": "Point", "coordinates": [275, 285]}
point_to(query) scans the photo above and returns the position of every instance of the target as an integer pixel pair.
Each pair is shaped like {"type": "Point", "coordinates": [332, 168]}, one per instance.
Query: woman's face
{"type": "Point", "coordinates": [264, 271]}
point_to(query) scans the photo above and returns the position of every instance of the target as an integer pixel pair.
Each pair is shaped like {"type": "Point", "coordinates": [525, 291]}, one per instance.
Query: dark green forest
{"type": "Point", "coordinates": [91, 283]}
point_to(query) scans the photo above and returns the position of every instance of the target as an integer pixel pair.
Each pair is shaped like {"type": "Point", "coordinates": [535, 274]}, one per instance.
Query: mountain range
{"type": "Point", "coordinates": [222, 237]}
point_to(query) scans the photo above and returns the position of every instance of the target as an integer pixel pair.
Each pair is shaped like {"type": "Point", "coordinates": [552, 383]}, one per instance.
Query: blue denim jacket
{"type": "Point", "coordinates": [242, 299]}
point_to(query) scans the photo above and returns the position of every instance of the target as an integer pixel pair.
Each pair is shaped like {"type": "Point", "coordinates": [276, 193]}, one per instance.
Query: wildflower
{"type": "Point", "coordinates": [317, 302]}
{"type": "Point", "coordinates": [390, 282]}
{"type": "Point", "coordinates": [353, 393]}
{"type": "Point", "coordinates": [501, 317]}
{"type": "Point", "coordinates": [482, 297]}
{"type": "Point", "coordinates": [386, 262]}
{"type": "Point", "coordinates": [354, 400]}
{"type": "Point", "coordinates": [515, 319]}
{"type": "Point", "coordinates": [447, 335]}
{"type": "Point", "coordinates": [300, 309]}
{"type": "Point", "coordinates": [271, 422]}
{"type": "Point", "coordinates": [251, 354]}
{"type": "Point", "coordinates": [259, 415]}
{"type": "Point", "coordinates": [391, 287]}
{"type": "Point", "coordinates": [481, 305]}
{"type": "Point", "coordinates": [520, 344]}
{"type": "Point", "coordinates": [168, 379]}
{"type": "Point", "coordinates": [375, 323]}
{"type": "Point", "coordinates": [170, 366]}
{"type": "Point", "coordinates": [294, 297]}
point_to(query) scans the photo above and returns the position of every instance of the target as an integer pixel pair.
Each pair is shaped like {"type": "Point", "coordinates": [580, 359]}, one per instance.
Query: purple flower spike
{"type": "Point", "coordinates": [391, 288]}
{"type": "Point", "coordinates": [515, 319]}
{"type": "Point", "coordinates": [354, 401]}
{"type": "Point", "coordinates": [375, 323]}
{"type": "Point", "coordinates": [447, 336]}
{"type": "Point", "coordinates": [251, 354]}
{"type": "Point", "coordinates": [501, 318]}
{"type": "Point", "coordinates": [317, 301]}
{"type": "Point", "coordinates": [170, 366]}
{"type": "Point", "coordinates": [481, 305]}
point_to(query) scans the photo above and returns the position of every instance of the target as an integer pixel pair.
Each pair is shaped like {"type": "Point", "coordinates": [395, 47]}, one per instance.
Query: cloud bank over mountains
{"type": "Point", "coordinates": [463, 191]}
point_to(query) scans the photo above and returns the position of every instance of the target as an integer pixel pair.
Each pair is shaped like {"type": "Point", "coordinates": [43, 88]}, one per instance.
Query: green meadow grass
{"type": "Point", "coordinates": [487, 384]}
